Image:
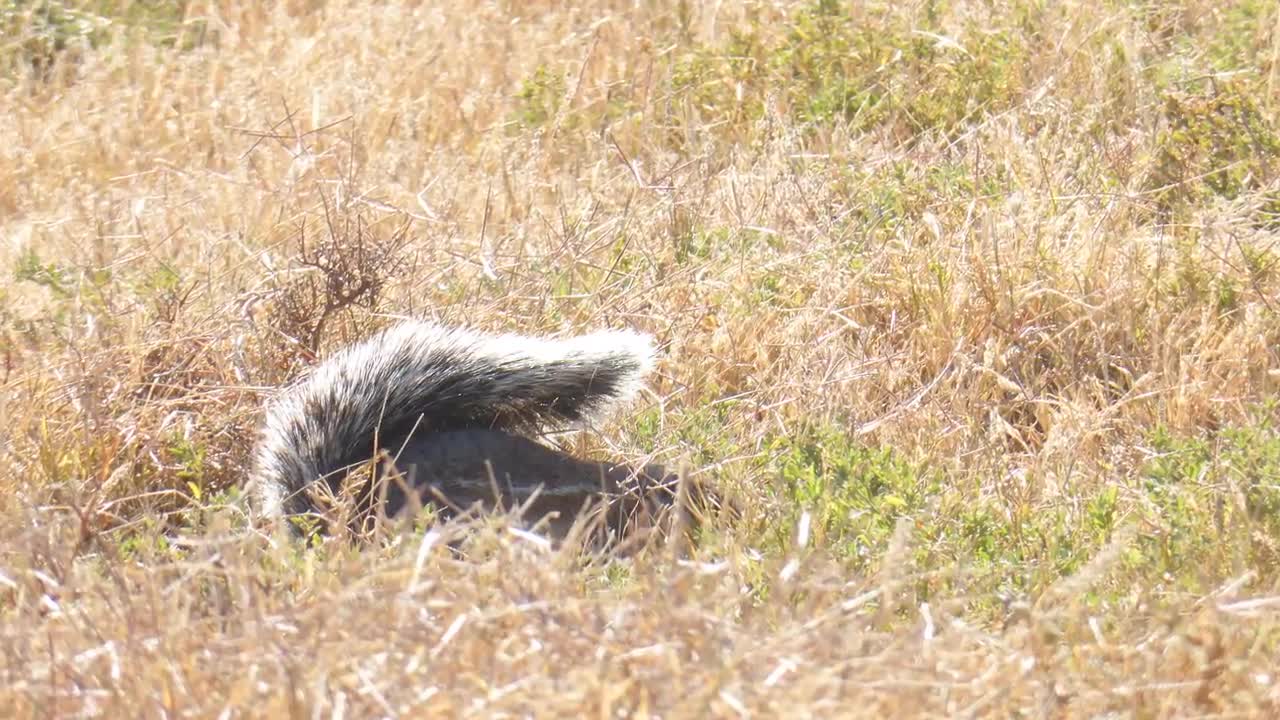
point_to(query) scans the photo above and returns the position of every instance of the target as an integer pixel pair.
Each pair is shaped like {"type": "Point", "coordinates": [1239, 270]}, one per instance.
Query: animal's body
{"type": "Point", "coordinates": [452, 413]}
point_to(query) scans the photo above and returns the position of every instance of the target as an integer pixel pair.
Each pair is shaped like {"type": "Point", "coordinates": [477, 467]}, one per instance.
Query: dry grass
{"type": "Point", "coordinates": [970, 306]}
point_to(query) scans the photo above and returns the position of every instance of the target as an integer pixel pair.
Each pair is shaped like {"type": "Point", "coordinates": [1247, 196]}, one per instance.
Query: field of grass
{"type": "Point", "coordinates": [968, 307]}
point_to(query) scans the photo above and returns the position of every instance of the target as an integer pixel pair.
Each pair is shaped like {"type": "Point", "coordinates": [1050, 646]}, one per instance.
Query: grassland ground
{"type": "Point", "coordinates": [969, 306]}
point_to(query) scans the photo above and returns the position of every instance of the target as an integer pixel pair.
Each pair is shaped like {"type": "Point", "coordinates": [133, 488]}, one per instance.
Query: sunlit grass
{"type": "Point", "coordinates": [968, 310]}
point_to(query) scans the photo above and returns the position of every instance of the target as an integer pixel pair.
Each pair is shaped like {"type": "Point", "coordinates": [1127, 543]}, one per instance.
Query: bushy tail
{"type": "Point", "coordinates": [417, 378]}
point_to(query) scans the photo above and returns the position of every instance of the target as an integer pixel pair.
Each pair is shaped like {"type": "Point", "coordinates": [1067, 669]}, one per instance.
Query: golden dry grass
{"type": "Point", "coordinates": [970, 307]}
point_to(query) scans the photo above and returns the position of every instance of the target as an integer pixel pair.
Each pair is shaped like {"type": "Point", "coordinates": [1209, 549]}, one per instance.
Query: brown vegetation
{"type": "Point", "coordinates": [970, 306]}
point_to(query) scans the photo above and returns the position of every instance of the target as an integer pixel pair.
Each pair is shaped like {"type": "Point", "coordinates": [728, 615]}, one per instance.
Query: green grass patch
{"type": "Point", "coordinates": [1217, 141]}
{"type": "Point", "coordinates": [1205, 509]}
{"type": "Point", "coordinates": [873, 70]}
{"type": "Point", "coordinates": [40, 34]}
